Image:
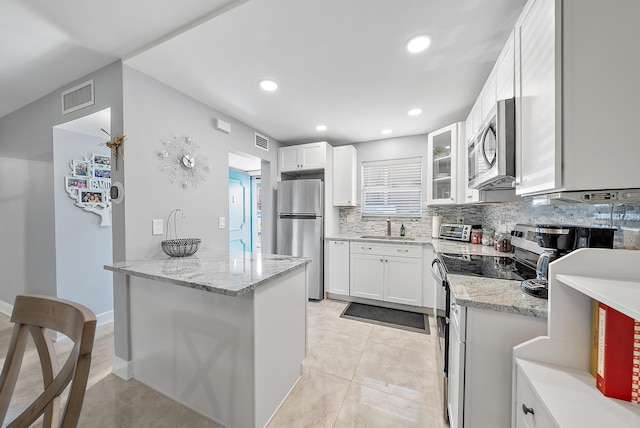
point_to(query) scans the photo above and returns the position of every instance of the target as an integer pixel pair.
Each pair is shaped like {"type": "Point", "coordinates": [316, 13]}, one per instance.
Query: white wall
{"type": "Point", "coordinates": [82, 246]}
{"type": "Point", "coordinates": [27, 185]}
{"type": "Point", "coordinates": [26, 229]}
{"type": "Point", "coordinates": [154, 112]}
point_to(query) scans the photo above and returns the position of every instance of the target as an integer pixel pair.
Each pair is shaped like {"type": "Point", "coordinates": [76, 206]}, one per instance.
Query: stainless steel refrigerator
{"type": "Point", "coordinates": [299, 229]}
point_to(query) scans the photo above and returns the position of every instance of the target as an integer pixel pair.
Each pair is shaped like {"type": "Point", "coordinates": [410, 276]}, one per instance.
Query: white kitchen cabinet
{"type": "Point", "coordinates": [303, 157]}
{"type": "Point", "coordinates": [403, 282]}
{"type": "Point", "coordinates": [392, 273]}
{"type": "Point", "coordinates": [488, 98]}
{"type": "Point", "coordinates": [345, 181]}
{"type": "Point", "coordinates": [575, 106]}
{"type": "Point", "coordinates": [552, 371]}
{"type": "Point", "coordinates": [505, 70]}
{"type": "Point", "coordinates": [336, 272]}
{"type": "Point", "coordinates": [442, 165]}
{"type": "Point", "coordinates": [366, 275]}
{"type": "Point", "coordinates": [480, 364]}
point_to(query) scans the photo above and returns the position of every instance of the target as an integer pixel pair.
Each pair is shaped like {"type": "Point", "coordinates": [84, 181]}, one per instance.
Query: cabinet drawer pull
{"type": "Point", "coordinates": [402, 251]}
{"type": "Point", "coordinates": [366, 248]}
{"type": "Point", "coordinates": [526, 409]}
{"type": "Point", "coordinates": [339, 242]}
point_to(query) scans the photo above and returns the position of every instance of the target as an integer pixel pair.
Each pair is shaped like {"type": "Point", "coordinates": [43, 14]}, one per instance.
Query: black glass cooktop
{"type": "Point", "coordinates": [484, 266]}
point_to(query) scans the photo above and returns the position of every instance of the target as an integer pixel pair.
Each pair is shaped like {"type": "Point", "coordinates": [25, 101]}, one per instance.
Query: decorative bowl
{"type": "Point", "coordinates": [181, 247]}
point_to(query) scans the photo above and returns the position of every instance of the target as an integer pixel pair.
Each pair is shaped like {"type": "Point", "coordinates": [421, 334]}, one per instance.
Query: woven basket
{"type": "Point", "coordinates": [181, 247]}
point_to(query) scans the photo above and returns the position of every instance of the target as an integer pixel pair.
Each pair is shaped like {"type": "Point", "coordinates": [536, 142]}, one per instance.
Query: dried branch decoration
{"type": "Point", "coordinates": [114, 144]}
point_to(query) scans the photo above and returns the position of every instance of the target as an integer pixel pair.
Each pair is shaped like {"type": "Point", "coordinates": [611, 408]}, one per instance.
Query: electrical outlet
{"type": "Point", "coordinates": [460, 219]}
{"type": "Point", "coordinates": [631, 238]}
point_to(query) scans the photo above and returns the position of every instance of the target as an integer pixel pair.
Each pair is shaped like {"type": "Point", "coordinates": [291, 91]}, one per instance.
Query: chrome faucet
{"type": "Point", "coordinates": [389, 226]}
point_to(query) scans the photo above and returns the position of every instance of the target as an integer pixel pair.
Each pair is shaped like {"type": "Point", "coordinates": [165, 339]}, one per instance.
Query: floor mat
{"type": "Point", "coordinates": [395, 318]}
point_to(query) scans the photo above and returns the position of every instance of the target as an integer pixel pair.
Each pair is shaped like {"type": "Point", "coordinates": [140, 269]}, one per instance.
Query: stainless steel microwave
{"type": "Point", "coordinates": [492, 160]}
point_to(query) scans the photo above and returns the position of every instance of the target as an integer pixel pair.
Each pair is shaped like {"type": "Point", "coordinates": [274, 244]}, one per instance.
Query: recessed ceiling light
{"type": "Point", "coordinates": [387, 131]}
{"type": "Point", "coordinates": [321, 127]}
{"type": "Point", "coordinates": [268, 85]}
{"type": "Point", "coordinates": [418, 43]}
{"type": "Point", "coordinates": [414, 112]}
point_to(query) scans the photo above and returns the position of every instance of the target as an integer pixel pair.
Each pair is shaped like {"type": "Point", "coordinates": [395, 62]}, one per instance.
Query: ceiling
{"type": "Point", "coordinates": [338, 63]}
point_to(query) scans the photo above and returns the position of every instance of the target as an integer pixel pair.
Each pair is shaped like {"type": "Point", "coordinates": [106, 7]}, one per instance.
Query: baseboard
{"type": "Point", "coordinates": [6, 308]}
{"type": "Point", "coordinates": [122, 368]}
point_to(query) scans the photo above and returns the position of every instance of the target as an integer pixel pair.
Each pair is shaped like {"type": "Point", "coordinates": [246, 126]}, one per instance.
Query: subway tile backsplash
{"type": "Point", "coordinates": [500, 217]}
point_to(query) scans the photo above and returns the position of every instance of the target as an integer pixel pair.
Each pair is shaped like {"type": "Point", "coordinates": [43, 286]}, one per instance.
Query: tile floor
{"type": "Point", "coordinates": [355, 375]}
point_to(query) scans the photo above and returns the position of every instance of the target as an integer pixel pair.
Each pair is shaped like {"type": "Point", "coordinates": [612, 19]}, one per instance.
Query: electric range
{"type": "Point", "coordinates": [498, 267]}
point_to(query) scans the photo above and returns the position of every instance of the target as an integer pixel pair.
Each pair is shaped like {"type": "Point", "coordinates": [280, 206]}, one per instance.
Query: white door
{"type": "Point", "coordinates": [367, 276]}
{"type": "Point", "coordinates": [289, 159]}
{"type": "Point", "coordinates": [404, 280]}
{"type": "Point", "coordinates": [456, 374]}
{"type": "Point", "coordinates": [337, 269]}
{"type": "Point", "coordinates": [312, 156]}
{"type": "Point", "coordinates": [538, 151]}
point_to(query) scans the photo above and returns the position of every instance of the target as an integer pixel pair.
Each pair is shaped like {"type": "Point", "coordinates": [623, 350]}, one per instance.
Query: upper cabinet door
{"type": "Point", "coordinates": [344, 176]}
{"type": "Point", "coordinates": [442, 166]}
{"type": "Point", "coordinates": [289, 159]}
{"type": "Point", "coordinates": [505, 70]}
{"type": "Point", "coordinates": [313, 155]}
{"type": "Point", "coordinates": [538, 162]}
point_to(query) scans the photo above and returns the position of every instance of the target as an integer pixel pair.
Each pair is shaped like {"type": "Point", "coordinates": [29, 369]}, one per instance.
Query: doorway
{"type": "Point", "coordinates": [245, 202]}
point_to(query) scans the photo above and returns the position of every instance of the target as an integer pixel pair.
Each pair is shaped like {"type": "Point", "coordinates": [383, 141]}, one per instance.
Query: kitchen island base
{"type": "Point", "coordinates": [233, 359]}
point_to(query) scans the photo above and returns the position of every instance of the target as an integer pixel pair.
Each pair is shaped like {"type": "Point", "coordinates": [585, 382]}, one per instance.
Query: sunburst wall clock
{"type": "Point", "coordinates": [181, 159]}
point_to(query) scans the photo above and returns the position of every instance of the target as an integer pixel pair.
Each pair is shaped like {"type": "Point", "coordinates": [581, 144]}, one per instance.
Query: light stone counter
{"type": "Point", "coordinates": [499, 295]}
{"type": "Point", "coordinates": [231, 274]}
{"type": "Point", "coordinates": [224, 334]}
{"type": "Point", "coordinates": [381, 239]}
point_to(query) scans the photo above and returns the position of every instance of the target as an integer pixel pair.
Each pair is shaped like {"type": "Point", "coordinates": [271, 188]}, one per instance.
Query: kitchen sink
{"type": "Point", "coordinates": [395, 238]}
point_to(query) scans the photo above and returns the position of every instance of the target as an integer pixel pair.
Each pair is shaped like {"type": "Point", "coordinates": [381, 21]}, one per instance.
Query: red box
{"type": "Point", "coordinates": [616, 344]}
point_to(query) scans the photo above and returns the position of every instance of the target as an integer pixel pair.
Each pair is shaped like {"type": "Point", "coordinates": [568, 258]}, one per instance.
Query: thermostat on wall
{"type": "Point", "coordinates": [116, 192]}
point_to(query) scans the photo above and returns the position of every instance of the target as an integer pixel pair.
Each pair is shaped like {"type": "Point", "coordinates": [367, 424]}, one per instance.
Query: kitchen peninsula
{"type": "Point", "coordinates": [221, 333]}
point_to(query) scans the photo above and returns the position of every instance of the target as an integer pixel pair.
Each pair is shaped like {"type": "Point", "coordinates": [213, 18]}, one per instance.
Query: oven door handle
{"type": "Point", "coordinates": [436, 270]}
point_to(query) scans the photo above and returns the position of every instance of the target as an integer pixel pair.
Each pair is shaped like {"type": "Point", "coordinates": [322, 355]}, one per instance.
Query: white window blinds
{"type": "Point", "coordinates": [392, 188]}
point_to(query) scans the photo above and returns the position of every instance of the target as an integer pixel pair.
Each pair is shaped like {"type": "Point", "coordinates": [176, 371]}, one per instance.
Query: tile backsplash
{"type": "Point", "coordinates": [500, 217]}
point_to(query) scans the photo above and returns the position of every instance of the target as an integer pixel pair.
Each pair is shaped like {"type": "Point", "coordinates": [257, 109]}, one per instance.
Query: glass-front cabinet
{"type": "Point", "coordinates": [443, 165]}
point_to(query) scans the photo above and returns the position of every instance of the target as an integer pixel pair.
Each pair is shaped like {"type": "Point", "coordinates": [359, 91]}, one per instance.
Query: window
{"type": "Point", "coordinates": [392, 188]}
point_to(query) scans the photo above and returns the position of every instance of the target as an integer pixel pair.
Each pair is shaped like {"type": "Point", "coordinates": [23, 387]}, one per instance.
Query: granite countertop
{"type": "Point", "coordinates": [220, 272]}
{"type": "Point", "coordinates": [499, 295]}
{"type": "Point", "coordinates": [381, 239]}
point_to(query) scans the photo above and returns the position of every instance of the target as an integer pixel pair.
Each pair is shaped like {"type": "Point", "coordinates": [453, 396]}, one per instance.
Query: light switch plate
{"type": "Point", "coordinates": [221, 222]}
{"type": "Point", "coordinates": [157, 227]}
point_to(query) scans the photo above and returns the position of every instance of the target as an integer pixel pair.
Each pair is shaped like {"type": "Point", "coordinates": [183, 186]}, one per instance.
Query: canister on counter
{"type": "Point", "coordinates": [487, 236]}
{"type": "Point", "coordinates": [476, 236]}
{"type": "Point", "coordinates": [503, 243]}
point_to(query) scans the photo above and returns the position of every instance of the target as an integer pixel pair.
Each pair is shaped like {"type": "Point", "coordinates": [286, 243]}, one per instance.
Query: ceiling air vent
{"type": "Point", "coordinates": [262, 142]}
{"type": "Point", "coordinates": [77, 97]}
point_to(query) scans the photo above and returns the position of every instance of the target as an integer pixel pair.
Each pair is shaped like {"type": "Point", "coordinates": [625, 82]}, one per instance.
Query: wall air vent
{"type": "Point", "coordinates": [77, 97]}
{"type": "Point", "coordinates": [262, 142]}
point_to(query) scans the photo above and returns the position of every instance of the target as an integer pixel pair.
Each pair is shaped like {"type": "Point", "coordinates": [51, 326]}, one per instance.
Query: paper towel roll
{"type": "Point", "coordinates": [435, 231]}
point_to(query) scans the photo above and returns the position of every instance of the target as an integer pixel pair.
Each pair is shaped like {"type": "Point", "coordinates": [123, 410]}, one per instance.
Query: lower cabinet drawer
{"type": "Point", "coordinates": [530, 413]}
